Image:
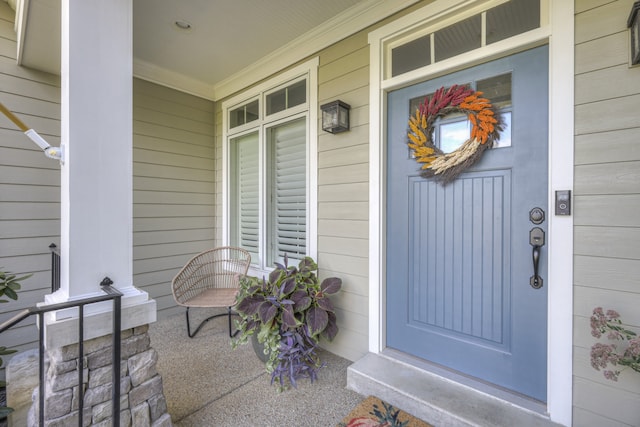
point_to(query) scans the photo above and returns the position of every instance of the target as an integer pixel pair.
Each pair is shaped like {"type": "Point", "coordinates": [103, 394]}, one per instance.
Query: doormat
{"type": "Point", "coordinates": [373, 412]}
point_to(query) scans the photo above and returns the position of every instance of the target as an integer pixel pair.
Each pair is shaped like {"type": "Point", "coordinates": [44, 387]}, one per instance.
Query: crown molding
{"type": "Point", "coordinates": [163, 77]}
{"type": "Point", "coordinates": [350, 22]}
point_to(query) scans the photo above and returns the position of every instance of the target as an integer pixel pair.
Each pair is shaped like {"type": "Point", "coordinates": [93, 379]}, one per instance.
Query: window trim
{"type": "Point", "coordinates": [308, 70]}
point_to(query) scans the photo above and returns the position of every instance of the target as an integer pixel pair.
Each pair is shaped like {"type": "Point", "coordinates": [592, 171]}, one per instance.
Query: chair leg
{"type": "Point", "coordinates": [229, 313]}
{"type": "Point", "coordinates": [231, 335]}
{"type": "Point", "coordinates": [189, 327]}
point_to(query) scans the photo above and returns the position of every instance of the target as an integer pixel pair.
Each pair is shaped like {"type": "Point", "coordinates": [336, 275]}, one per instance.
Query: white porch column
{"type": "Point", "coordinates": [96, 193]}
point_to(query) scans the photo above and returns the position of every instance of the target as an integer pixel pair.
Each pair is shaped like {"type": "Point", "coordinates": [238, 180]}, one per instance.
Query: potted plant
{"type": "Point", "coordinates": [288, 313]}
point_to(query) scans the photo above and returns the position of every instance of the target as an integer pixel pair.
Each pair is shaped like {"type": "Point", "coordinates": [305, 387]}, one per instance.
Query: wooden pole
{"type": "Point", "coordinates": [13, 118]}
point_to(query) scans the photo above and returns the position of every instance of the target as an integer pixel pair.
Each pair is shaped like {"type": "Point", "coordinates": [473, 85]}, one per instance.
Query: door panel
{"type": "Point", "coordinates": [458, 256]}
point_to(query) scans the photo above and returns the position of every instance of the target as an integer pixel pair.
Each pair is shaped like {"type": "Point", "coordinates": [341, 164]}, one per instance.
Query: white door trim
{"type": "Point", "coordinates": [557, 30]}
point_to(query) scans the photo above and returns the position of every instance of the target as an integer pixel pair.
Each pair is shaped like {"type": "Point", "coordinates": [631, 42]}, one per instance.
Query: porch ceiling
{"type": "Point", "coordinates": [225, 37]}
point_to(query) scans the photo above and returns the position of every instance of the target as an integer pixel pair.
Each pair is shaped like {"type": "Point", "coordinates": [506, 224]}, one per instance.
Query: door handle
{"type": "Point", "coordinates": [536, 239]}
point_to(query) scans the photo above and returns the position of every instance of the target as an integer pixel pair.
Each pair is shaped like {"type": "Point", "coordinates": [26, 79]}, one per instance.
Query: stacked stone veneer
{"type": "Point", "coordinates": [142, 401]}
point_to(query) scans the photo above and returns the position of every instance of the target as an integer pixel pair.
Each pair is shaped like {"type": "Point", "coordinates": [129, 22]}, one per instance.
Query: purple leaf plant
{"type": "Point", "coordinates": [289, 313]}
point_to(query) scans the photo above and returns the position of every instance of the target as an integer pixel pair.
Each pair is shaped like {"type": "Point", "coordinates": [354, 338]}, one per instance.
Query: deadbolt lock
{"type": "Point", "coordinates": [536, 216]}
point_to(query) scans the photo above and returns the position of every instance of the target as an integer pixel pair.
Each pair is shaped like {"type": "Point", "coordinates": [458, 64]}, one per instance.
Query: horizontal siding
{"type": "Point", "coordinates": [594, 85]}
{"type": "Point", "coordinates": [358, 172]}
{"type": "Point", "coordinates": [29, 183]}
{"type": "Point", "coordinates": [619, 274]}
{"type": "Point", "coordinates": [344, 228]}
{"type": "Point", "coordinates": [601, 21]}
{"type": "Point", "coordinates": [608, 178]}
{"type": "Point", "coordinates": [621, 146]}
{"type": "Point", "coordinates": [602, 53]}
{"type": "Point", "coordinates": [603, 399]}
{"type": "Point", "coordinates": [613, 209]}
{"type": "Point", "coordinates": [606, 204]}
{"type": "Point", "coordinates": [357, 192]}
{"type": "Point", "coordinates": [608, 115]}
{"type": "Point", "coordinates": [173, 186]}
{"type": "Point", "coordinates": [609, 242]}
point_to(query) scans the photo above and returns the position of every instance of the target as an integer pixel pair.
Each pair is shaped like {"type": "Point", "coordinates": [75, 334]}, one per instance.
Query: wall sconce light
{"type": "Point", "coordinates": [49, 151]}
{"type": "Point", "coordinates": [335, 116]}
{"type": "Point", "coordinates": [634, 24]}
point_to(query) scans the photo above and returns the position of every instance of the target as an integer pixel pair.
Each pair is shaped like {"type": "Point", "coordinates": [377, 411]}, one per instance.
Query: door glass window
{"type": "Point", "coordinates": [498, 90]}
{"type": "Point", "coordinates": [453, 134]}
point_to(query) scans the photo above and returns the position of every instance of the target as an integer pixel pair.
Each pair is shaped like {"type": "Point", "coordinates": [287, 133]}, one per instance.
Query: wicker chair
{"type": "Point", "coordinates": [211, 279]}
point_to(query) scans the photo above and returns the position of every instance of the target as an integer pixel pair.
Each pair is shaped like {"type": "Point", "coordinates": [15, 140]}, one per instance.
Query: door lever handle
{"type": "Point", "coordinates": [536, 239]}
{"type": "Point", "coordinates": [536, 281]}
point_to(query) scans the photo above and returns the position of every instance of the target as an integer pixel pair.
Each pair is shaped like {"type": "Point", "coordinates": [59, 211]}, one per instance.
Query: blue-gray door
{"type": "Point", "coordinates": [459, 258]}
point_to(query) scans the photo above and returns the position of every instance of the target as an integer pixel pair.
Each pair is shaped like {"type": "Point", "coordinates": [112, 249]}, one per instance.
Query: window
{"type": "Point", "coordinates": [287, 201]}
{"type": "Point", "coordinates": [268, 156]}
{"type": "Point", "coordinates": [243, 114]}
{"type": "Point", "coordinates": [244, 194]}
{"type": "Point", "coordinates": [495, 24]}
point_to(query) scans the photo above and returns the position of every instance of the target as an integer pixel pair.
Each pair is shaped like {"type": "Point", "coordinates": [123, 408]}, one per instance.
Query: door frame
{"type": "Point", "coordinates": [556, 30]}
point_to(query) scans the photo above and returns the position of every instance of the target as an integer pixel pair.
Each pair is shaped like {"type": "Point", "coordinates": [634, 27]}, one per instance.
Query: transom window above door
{"type": "Point", "coordinates": [437, 43]}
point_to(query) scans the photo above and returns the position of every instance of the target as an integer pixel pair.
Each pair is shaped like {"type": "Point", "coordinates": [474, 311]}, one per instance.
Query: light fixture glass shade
{"type": "Point", "coordinates": [335, 116]}
{"type": "Point", "coordinates": [633, 23]}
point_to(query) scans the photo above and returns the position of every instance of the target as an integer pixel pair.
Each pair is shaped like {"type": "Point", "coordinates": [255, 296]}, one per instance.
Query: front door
{"type": "Point", "coordinates": [459, 256]}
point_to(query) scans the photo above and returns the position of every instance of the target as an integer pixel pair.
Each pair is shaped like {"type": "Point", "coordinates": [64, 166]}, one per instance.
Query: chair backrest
{"type": "Point", "coordinates": [214, 268]}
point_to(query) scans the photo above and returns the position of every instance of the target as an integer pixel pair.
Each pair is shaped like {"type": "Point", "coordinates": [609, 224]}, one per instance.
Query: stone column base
{"type": "Point", "coordinates": [142, 401]}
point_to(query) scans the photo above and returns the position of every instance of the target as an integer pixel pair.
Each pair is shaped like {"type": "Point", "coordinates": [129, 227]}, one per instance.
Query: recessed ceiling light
{"type": "Point", "coordinates": [183, 25]}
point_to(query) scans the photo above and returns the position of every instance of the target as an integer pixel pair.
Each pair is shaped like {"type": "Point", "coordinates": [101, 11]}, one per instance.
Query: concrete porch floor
{"type": "Point", "coordinates": [207, 383]}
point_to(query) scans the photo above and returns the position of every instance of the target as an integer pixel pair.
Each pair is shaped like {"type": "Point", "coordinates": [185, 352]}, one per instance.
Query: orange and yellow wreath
{"type": "Point", "coordinates": [485, 130]}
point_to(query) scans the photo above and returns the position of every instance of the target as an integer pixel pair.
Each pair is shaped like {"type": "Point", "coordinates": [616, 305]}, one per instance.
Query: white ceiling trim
{"type": "Point", "coordinates": [351, 21]}
{"type": "Point", "coordinates": [154, 74]}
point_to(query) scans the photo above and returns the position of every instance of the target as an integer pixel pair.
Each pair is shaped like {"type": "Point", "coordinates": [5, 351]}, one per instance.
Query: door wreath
{"type": "Point", "coordinates": [485, 130]}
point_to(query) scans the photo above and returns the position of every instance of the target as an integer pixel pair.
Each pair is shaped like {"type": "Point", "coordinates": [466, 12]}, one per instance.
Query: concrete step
{"type": "Point", "coordinates": [439, 400]}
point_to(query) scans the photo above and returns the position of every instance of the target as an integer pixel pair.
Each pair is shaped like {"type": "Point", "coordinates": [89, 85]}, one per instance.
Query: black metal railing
{"type": "Point", "coordinates": [110, 294]}
{"type": "Point", "coordinates": [55, 267]}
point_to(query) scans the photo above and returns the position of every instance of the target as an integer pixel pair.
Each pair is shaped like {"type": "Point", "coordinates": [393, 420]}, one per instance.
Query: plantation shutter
{"type": "Point", "coordinates": [288, 191]}
{"type": "Point", "coordinates": [246, 193]}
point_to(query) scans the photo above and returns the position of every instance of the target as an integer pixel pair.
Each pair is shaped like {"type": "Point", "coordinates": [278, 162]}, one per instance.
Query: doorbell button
{"type": "Point", "coordinates": [563, 202]}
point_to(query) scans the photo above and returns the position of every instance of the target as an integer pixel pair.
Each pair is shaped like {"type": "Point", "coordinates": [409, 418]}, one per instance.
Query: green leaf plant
{"type": "Point", "coordinates": [9, 287]}
{"type": "Point", "coordinates": [289, 312]}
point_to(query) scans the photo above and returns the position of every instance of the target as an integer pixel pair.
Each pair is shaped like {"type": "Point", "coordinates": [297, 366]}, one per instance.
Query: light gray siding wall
{"type": "Point", "coordinates": [607, 202]}
{"type": "Point", "coordinates": [343, 192]}
{"type": "Point", "coordinates": [29, 182]}
{"type": "Point", "coordinates": [173, 183]}
{"type": "Point", "coordinates": [173, 186]}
